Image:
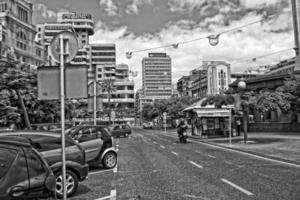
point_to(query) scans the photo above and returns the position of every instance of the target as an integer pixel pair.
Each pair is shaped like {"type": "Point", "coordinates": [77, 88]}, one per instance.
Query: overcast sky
{"type": "Point", "coordinates": [142, 24]}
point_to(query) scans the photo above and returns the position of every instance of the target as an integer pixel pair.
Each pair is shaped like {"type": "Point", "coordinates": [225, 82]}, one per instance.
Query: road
{"type": "Point", "coordinates": [154, 165]}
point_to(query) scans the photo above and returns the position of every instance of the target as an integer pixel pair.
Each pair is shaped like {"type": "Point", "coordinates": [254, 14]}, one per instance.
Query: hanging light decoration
{"type": "Point", "coordinates": [175, 45]}
{"type": "Point", "coordinates": [128, 55]}
{"type": "Point", "coordinates": [213, 39]}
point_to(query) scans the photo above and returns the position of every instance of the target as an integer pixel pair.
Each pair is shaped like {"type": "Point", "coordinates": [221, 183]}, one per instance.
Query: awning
{"type": "Point", "coordinates": [212, 112]}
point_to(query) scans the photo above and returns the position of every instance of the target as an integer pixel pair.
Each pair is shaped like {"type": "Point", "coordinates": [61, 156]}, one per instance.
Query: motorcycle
{"type": "Point", "coordinates": [183, 137]}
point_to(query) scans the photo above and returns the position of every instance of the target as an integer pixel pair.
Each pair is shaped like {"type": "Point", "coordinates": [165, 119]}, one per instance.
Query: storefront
{"type": "Point", "coordinates": [210, 121]}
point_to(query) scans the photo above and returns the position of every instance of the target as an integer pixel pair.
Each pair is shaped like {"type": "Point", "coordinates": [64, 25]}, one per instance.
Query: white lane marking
{"type": "Point", "coordinates": [99, 172]}
{"type": "Point", "coordinates": [244, 153]}
{"type": "Point", "coordinates": [197, 165]}
{"type": "Point", "coordinates": [112, 196]}
{"type": "Point", "coordinates": [163, 147]}
{"type": "Point", "coordinates": [211, 156]}
{"type": "Point", "coordinates": [155, 142]}
{"type": "Point", "coordinates": [115, 170]}
{"type": "Point", "coordinates": [173, 152]}
{"type": "Point", "coordinates": [237, 187]}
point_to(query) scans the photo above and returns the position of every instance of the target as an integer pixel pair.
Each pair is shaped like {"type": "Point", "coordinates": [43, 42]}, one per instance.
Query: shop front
{"type": "Point", "coordinates": [210, 121]}
{"type": "Point", "coordinates": [213, 121]}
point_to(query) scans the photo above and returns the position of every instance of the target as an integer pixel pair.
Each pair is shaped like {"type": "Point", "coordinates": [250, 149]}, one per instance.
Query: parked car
{"type": "Point", "coordinates": [49, 145]}
{"type": "Point", "coordinates": [121, 130]}
{"type": "Point", "coordinates": [98, 144]}
{"type": "Point", "coordinates": [147, 125]}
{"type": "Point", "coordinates": [24, 173]}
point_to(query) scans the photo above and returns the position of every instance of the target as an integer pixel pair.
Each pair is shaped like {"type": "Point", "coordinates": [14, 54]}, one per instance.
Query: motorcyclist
{"type": "Point", "coordinates": [181, 128]}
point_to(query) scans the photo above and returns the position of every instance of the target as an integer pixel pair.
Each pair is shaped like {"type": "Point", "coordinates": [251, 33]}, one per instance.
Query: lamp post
{"type": "Point", "coordinates": [242, 85]}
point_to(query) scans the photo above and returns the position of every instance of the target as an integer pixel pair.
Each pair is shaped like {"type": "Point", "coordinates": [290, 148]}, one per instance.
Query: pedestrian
{"type": "Point", "coordinates": [199, 127]}
{"type": "Point", "coordinates": [238, 127]}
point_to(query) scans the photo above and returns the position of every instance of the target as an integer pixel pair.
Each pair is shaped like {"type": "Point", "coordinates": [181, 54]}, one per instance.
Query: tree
{"type": "Point", "coordinates": [14, 81]}
{"type": "Point", "coordinates": [109, 87]}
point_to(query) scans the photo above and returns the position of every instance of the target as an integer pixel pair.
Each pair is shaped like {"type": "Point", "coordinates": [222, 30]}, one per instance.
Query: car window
{"type": "Point", "coordinates": [35, 164]}
{"type": "Point", "coordinates": [7, 156]}
{"type": "Point", "coordinates": [117, 128]}
{"type": "Point", "coordinates": [95, 132]}
{"type": "Point", "coordinates": [45, 143]}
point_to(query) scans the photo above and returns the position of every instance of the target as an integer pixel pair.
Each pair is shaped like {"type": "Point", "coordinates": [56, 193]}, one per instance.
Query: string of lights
{"type": "Point", "coordinates": [213, 39]}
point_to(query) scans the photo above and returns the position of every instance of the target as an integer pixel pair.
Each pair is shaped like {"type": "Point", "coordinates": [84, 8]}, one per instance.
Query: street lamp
{"type": "Point", "coordinates": [242, 85]}
{"type": "Point", "coordinates": [213, 39]}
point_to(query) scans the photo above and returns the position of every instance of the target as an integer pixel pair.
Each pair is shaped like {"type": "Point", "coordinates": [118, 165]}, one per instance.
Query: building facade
{"type": "Point", "coordinates": [157, 76]}
{"type": "Point", "coordinates": [18, 33]}
{"type": "Point", "coordinates": [210, 79]}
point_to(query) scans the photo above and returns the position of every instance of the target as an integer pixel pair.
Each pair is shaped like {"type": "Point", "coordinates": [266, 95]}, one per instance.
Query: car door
{"type": "Point", "coordinates": [87, 138]}
{"type": "Point", "coordinates": [38, 174]}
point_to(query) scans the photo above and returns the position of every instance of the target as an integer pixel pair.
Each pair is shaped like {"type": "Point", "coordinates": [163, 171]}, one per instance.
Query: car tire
{"type": "Point", "coordinates": [71, 182]}
{"type": "Point", "coordinates": [109, 160]}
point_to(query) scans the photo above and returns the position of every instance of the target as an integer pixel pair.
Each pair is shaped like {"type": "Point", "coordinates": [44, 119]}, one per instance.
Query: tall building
{"type": "Point", "coordinates": [18, 33]}
{"type": "Point", "coordinates": [157, 76]}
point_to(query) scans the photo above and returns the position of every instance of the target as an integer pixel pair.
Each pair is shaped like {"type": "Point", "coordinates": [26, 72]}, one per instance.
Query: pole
{"type": "Point", "coordinates": [62, 102]}
{"type": "Point", "coordinates": [230, 127]}
{"type": "Point", "coordinates": [95, 102]}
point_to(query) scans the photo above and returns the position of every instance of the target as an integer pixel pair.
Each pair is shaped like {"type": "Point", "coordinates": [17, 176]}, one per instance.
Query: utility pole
{"type": "Point", "coordinates": [296, 24]}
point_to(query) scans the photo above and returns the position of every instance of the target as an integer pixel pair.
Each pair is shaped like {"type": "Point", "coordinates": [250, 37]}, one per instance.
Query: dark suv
{"type": "Point", "coordinates": [97, 143]}
{"type": "Point", "coordinates": [24, 174]}
{"type": "Point", "coordinates": [49, 145]}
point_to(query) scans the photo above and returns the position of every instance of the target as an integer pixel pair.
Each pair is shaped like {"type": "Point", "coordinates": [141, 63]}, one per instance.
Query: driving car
{"type": "Point", "coordinates": [49, 146]}
{"type": "Point", "coordinates": [121, 130]}
{"type": "Point", "coordinates": [97, 143]}
{"type": "Point", "coordinates": [24, 173]}
{"type": "Point", "coordinates": [147, 125]}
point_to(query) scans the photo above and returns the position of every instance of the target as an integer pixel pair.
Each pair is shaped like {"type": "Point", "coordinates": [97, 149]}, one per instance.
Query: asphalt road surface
{"type": "Point", "coordinates": [153, 165]}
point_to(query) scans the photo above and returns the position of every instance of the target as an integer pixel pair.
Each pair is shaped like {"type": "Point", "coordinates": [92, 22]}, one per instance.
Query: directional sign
{"type": "Point", "coordinates": [70, 46]}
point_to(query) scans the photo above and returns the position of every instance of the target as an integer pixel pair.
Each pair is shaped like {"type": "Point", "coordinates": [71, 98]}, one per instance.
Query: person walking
{"type": "Point", "coordinates": [238, 127]}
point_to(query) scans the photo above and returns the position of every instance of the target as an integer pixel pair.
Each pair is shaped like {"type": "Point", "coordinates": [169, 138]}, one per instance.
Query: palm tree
{"type": "Point", "coordinates": [109, 87]}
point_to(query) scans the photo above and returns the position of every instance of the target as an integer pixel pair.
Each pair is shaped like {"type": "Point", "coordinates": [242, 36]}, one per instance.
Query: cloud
{"type": "Point", "coordinates": [45, 11]}
{"type": "Point", "coordinates": [110, 7]}
{"type": "Point", "coordinates": [134, 6]}
{"type": "Point", "coordinates": [237, 48]}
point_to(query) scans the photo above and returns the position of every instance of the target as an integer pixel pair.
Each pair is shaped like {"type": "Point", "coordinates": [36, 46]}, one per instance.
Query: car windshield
{"type": "Point", "coordinates": [70, 131]}
{"type": "Point", "coordinates": [7, 157]}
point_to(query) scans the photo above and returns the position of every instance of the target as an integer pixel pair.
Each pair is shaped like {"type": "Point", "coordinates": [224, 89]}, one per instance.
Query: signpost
{"type": "Point", "coordinates": [63, 49]}
{"type": "Point", "coordinates": [230, 118]}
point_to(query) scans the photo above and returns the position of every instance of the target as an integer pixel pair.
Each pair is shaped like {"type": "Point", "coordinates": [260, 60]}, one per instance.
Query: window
{"type": "Point", "coordinates": [3, 7]}
{"type": "Point", "coordinates": [45, 143]}
{"type": "Point", "coordinates": [22, 14]}
{"type": "Point", "coordinates": [35, 166]}
{"type": "Point", "coordinates": [7, 156]}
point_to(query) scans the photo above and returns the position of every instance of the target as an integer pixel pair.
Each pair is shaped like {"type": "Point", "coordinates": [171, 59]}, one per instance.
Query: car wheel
{"type": "Point", "coordinates": [109, 160]}
{"type": "Point", "coordinates": [126, 135]}
{"type": "Point", "coordinates": [71, 183]}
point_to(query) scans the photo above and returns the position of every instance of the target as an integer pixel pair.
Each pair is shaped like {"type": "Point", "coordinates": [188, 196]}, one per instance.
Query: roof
{"type": "Point", "coordinates": [28, 132]}
{"type": "Point", "coordinates": [14, 140]}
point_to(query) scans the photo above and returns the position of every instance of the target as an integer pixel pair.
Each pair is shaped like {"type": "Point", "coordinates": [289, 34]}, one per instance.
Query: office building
{"type": "Point", "coordinates": [157, 76]}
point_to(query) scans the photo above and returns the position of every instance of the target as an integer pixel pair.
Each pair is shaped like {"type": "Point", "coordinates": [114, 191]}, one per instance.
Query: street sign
{"type": "Point", "coordinates": [49, 82]}
{"type": "Point", "coordinates": [70, 46]}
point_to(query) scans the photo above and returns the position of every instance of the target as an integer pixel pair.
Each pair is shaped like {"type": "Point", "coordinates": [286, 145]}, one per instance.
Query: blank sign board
{"type": "Point", "coordinates": [49, 82]}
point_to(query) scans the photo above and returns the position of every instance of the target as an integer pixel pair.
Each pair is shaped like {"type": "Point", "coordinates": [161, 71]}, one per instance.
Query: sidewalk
{"type": "Point", "coordinates": [279, 146]}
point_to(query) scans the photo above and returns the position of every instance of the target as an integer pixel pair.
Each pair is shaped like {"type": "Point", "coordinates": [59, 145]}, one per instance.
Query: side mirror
{"type": "Point", "coordinates": [16, 191]}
